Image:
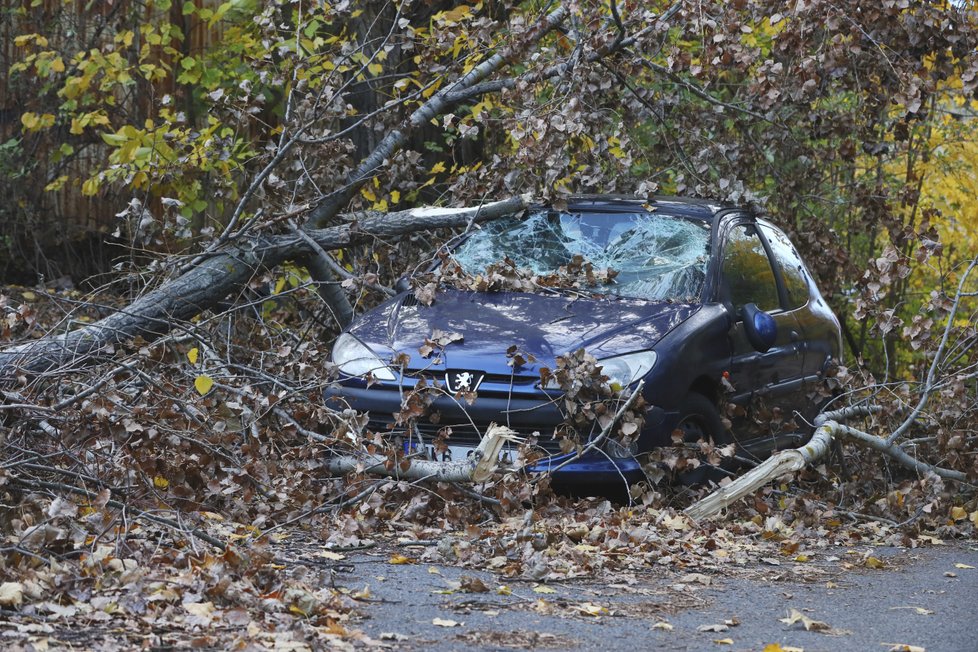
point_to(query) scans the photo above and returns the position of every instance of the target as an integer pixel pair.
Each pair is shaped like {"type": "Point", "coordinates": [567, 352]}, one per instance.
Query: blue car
{"type": "Point", "coordinates": [710, 307]}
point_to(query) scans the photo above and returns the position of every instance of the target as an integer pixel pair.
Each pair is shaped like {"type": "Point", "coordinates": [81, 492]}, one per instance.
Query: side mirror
{"type": "Point", "coordinates": [403, 284]}
{"type": "Point", "coordinates": [760, 327]}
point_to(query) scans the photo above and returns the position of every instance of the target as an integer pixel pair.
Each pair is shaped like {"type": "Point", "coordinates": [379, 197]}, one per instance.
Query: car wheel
{"type": "Point", "coordinates": [700, 419]}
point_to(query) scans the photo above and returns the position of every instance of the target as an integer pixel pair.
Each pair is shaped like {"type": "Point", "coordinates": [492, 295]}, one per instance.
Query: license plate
{"type": "Point", "coordinates": [454, 453]}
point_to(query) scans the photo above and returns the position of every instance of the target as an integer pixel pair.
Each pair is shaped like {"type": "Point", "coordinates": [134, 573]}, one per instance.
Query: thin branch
{"type": "Point", "coordinates": [57, 486]}
{"type": "Point", "coordinates": [929, 383]}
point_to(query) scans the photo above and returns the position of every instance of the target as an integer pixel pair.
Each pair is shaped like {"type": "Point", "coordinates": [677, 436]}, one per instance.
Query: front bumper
{"type": "Point", "coordinates": [524, 414]}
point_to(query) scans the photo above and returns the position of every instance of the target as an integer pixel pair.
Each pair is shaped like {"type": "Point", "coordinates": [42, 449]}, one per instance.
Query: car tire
{"type": "Point", "coordinates": [699, 418]}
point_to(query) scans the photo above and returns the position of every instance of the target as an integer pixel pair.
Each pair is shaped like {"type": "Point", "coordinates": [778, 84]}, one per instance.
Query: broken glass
{"type": "Point", "coordinates": [657, 257]}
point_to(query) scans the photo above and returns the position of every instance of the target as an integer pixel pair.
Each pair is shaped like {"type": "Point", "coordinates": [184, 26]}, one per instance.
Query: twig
{"type": "Point", "coordinates": [57, 486]}
{"type": "Point", "coordinates": [597, 441]}
{"type": "Point", "coordinates": [929, 383]}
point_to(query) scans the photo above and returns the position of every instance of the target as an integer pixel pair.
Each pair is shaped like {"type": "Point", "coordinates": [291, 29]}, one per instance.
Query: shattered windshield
{"type": "Point", "coordinates": [657, 257]}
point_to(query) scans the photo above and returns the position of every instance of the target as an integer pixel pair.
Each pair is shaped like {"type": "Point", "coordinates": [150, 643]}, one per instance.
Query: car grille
{"type": "Point", "coordinates": [495, 384]}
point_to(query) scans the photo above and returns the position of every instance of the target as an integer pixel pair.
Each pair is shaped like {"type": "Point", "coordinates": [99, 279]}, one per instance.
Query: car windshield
{"type": "Point", "coordinates": [657, 257]}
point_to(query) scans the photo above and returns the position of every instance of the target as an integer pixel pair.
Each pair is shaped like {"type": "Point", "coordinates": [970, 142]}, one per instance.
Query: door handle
{"type": "Point", "coordinates": [794, 336]}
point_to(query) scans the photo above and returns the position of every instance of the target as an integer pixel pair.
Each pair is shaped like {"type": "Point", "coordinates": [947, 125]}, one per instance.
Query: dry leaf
{"type": "Point", "coordinates": [965, 566]}
{"type": "Point", "coordinates": [543, 589]}
{"type": "Point", "coordinates": [903, 647]}
{"type": "Point", "coordinates": [663, 626]}
{"type": "Point", "coordinates": [440, 622]}
{"type": "Point", "coordinates": [716, 627]}
{"type": "Point", "coordinates": [11, 594]}
{"type": "Point", "coordinates": [809, 624]}
{"type": "Point", "coordinates": [199, 608]}
{"type": "Point", "coordinates": [723, 641]}
{"type": "Point", "coordinates": [400, 559]}
{"type": "Point", "coordinates": [592, 609]}
{"type": "Point", "coordinates": [919, 610]}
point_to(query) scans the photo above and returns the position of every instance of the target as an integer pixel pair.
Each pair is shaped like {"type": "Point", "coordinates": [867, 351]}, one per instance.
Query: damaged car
{"type": "Point", "coordinates": [705, 309]}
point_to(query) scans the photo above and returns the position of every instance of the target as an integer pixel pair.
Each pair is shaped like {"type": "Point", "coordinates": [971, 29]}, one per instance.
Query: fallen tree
{"type": "Point", "coordinates": [217, 276]}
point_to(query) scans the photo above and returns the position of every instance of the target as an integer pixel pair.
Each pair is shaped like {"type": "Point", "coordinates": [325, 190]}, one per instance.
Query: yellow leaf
{"type": "Point", "coordinates": [395, 196]}
{"type": "Point", "coordinates": [28, 296]}
{"type": "Point", "coordinates": [57, 184]}
{"type": "Point", "coordinates": [438, 167]}
{"type": "Point", "coordinates": [368, 194]}
{"type": "Point", "coordinates": [203, 383]}
{"type": "Point", "coordinates": [375, 69]}
{"type": "Point", "coordinates": [160, 482]}
{"type": "Point", "coordinates": [192, 355]}
{"type": "Point", "coordinates": [504, 590]}
{"type": "Point", "coordinates": [666, 627]}
{"type": "Point", "coordinates": [958, 513]}
{"type": "Point", "coordinates": [592, 609]}
{"type": "Point", "coordinates": [29, 120]}
{"type": "Point", "coordinates": [400, 559]}
{"type": "Point", "coordinates": [873, 562]}
{"type": "Point", "coordinates": [58, 65]}
{"type": "Point", "coordinates": [723, 641]}
{"type": "Point", "coordinates": [543, 589]}
{"type": "Point", "coordinates": [965, 566]}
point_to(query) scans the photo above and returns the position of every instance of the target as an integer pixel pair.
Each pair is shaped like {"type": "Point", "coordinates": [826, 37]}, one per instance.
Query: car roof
{"type": "Point", "coordinates": [700, 209]}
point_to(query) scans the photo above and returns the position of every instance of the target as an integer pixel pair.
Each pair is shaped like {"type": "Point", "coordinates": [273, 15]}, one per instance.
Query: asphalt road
{"type": "Point", "coordinates": [925, 597]}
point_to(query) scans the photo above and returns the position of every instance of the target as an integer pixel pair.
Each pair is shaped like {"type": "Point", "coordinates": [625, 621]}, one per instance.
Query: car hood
{"type": "Point", "coordinates": [544, 326]}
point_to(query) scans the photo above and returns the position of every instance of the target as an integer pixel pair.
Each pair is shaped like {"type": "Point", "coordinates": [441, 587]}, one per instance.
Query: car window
{"type": "Point", "coordinates": [657, 256]}
{"type": "Point", "coordinates": [747, 272]}
{"type": "Point", "coordinates": [792, 268]}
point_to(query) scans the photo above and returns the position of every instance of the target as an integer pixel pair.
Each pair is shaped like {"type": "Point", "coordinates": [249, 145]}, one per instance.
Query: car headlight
{"type": "Point", "coordinates": [354, 358]}
{"type": "Point", "coordinates": [623, 370]}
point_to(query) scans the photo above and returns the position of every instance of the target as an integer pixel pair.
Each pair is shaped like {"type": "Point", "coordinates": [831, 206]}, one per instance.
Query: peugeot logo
{"type": "Point", "coordinates": [463, 381]}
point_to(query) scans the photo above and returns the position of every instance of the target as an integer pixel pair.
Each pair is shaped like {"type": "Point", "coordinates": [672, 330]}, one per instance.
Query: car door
{"type": "Point", "coordinates": [769, 385]}
{"type": "Point", "coordinates": [819, 325]}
